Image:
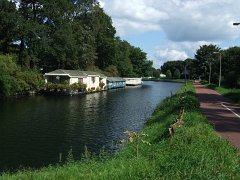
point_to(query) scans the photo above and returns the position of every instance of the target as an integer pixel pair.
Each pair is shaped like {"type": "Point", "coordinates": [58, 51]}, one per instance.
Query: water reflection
{"type": "Point", "coordinates": [34, 130]}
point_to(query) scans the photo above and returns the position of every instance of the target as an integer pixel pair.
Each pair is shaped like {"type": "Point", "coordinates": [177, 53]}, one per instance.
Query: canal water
{"type": "Point", "coordinates": [35, 130]}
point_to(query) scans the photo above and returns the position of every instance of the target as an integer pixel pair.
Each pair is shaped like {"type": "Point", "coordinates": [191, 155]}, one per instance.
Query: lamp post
{"type": "Point", "coordinates": [210, 72]}
{"type": "Point", "coordinates": [220, 67]}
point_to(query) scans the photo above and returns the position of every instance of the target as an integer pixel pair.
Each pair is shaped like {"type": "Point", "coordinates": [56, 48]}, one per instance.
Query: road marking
{"type": "Point", "coordinates": [230, 110]}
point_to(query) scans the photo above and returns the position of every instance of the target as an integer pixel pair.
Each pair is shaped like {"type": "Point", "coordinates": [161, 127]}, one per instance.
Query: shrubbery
{"type": "Point", "coordinates": [189, 101]}
{"type": "Point", "coordinates": [14, 80]}
{"type": "Point", "coordinates": [232, 79]}
{"type": "Point", "coordinates": [79, 87]}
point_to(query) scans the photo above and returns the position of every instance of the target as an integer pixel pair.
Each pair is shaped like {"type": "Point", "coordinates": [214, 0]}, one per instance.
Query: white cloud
{"type": "Point", "coordinates": [134, 16]}
{"type": "Point", "coordinates": [169, 55]}
{"type": "Point", "coordinates": [180, 20]}
{"type": "Point", "coordinates": [186, 24]}
{"type": "Point", "coordinates": [175, 51]}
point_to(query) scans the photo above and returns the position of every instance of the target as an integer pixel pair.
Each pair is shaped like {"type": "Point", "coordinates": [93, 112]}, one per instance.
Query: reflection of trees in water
{"type": "Point", "coordinates": [84, 120]}
{"type": "Point", "coordinates": [46, 126]}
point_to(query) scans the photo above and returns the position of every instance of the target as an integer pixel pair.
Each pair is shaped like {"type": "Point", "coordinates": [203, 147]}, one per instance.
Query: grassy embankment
{"type": "Point", "coordinates": [194, 152]}
{"type": "Point", "coordinates": [233, 94]}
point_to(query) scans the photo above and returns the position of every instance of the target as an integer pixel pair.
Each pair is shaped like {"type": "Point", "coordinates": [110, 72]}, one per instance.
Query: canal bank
{"type": "Point", "coordinates": [35, 130]}
{"type": "Point", "coordinates": [195, 151]}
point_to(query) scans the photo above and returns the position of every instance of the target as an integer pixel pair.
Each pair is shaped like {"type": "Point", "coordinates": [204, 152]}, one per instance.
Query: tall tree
{"type": "Point", "coordinates": [207, 60]}
{"type": "Point", "coordinates": [29, 28]}
{"type": "Point", "coordinates": [172, 66]}
{"type": "Point", "coordinates": [104, 34]}
{"type": "Point", "coordinates": [176, 74]}
{"type": "Point", "coordinates": [231, 66]}
{"type": "Point", "coordinates": [124, 65]}
{"type": "Point", "coordinates": [8, 25]}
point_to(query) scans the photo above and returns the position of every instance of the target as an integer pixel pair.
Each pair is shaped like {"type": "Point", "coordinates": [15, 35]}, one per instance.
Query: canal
{"type": "Point", "coordinates": [35, 130]}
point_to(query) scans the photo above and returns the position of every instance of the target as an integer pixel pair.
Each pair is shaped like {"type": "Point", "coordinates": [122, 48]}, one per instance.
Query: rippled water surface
{"type": "Point", "coordinates": [34, 130]}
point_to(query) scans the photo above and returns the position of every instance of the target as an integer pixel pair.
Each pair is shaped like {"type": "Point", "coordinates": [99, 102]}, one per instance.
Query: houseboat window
{"type": "Point", "coordinates": [93, 79]}
{"type": "Point", "coordinates": [80, 80]}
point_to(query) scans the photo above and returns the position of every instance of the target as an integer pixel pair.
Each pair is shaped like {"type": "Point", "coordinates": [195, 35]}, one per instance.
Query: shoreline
{"type": "Point", "coordinates": [195, 151]}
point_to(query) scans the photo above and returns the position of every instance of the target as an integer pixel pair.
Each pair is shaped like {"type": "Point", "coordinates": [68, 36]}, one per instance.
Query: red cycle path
{"type": "Point", "coordinates": [221, 112]}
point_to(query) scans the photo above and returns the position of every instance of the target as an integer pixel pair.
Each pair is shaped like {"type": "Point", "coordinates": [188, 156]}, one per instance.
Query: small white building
{"type": "Point", "coordinates": [91, 79]}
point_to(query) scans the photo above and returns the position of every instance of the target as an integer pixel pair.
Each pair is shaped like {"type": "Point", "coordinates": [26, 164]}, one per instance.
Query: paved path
{"type": "Point", "coordinates": [221, 112]}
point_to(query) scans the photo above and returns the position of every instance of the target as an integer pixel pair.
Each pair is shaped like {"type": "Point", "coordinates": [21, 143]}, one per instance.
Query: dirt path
{"type": "Point", "coordinates": [222, 113]}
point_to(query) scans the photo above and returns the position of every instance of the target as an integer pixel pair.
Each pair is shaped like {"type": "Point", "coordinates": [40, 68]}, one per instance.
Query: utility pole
{"type": "Point", "coordinates": [210, 72]}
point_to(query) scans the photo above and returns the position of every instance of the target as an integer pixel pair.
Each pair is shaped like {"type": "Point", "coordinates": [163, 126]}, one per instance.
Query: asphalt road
{"type": "Point", "coordinates": [221, 112]}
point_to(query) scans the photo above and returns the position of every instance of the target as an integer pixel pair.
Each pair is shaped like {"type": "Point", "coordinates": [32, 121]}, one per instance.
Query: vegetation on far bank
{"type": "Point", "coordinates": [47, 35]}
{"type": "Point", "coordinates": [15, 80]}
{"type": "Point", "coordinates": [194, 152]}
{"type": "Point", "coordinates": [206, 65]}
{"type": "Point", "coordinates": [64, 34]}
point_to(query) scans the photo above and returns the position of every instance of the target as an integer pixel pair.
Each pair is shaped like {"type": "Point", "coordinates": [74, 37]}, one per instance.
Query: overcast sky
{"type": "Point", "coordinates": [174, 29]}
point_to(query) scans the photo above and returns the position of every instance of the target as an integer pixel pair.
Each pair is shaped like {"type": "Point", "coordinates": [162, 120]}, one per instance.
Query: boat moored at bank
{"type": "Point", "coordinates": [133, 81]}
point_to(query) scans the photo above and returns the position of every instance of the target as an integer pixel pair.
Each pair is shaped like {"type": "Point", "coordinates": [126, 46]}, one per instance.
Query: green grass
{"type": "Point", "coordinates": [232, 94]}
{"type": "Point", "coordinates": [194, 152]}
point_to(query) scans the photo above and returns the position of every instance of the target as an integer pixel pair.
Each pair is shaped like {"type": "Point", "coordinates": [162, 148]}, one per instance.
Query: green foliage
{"type": "Point", "coordinates": [94, 69]}
{"type": "Point", "coordinates": [189, 102]}
{"type": "Point", "coordinates": [156, 73]}
{"type": "Point", "coordinates": [172, 66]}
{"type": "Point", "coordinates": [135, 138]}
{"type": "Point", "coordinates": [67, 35]}
{"type": "Point", "coordinates": [169, 74]}
{"type": "Point", "coordinates": [8, 25]}
{"type": "Point", "coordinates": [207, 61]}
{"type": "Point", "coordinates": [111, 71]}
{"type": "Point", "coordinates": [175, 66]}
{"type": "Point", "coordinates": [176, 74]}
{"type": "Point", "coordinates": [13, 80]}
{"type": "Point", "coordinates": [232, 79]}
{"type": "Point", "coordinates": [65, 87]}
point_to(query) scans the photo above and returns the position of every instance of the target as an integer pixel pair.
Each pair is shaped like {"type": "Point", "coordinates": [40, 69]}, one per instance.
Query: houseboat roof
{"type": "Point", "coordinates": [73, 73]}
{"type": "Point", "coordinates": [115, 79]}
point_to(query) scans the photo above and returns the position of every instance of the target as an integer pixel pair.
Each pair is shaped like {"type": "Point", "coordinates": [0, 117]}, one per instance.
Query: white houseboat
{"type": "Point", "coordinates": [91, 79]}
{"type": "Point", "coordinates": [133, 81]}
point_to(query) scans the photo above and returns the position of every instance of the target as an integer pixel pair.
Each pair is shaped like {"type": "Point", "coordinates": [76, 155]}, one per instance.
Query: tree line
{"type": "Point", "coordinates": [38, 36]}
{"type": "Point", "coordinates": [206, 65]}
{"type": "Point", "coordinates": [67, 34]}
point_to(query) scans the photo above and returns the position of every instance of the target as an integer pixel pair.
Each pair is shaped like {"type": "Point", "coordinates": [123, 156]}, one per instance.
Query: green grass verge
{"type": "Point", "coordinates": [232, 94]}
{"type": "Point", "coordinates": [194, 152]}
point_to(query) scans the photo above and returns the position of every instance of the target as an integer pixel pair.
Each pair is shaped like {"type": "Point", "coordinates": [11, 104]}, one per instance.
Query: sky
{"type": "Point", "coordinates": [174, 29]}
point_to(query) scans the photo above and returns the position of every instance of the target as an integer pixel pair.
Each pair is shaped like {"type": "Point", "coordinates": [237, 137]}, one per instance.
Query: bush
{"type": "Point", "coordinates": [189, 102]}
{"type": "Point", "coordinates": [176, 74]}
{"type": "Point", "coordinates": [215, 78]}
{"type": "Point", "coordinates": [14, 80]}
{"type": "Point", "coordinates": [231, 79]}
{"type": "Point", "coordinates": [169, 74]}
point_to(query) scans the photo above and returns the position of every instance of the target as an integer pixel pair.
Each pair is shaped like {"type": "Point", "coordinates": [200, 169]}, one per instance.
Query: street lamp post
{"type": "Point", "coordinates": [210, 72]}
{"type": "Point", "coordinates": [220, 67]}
